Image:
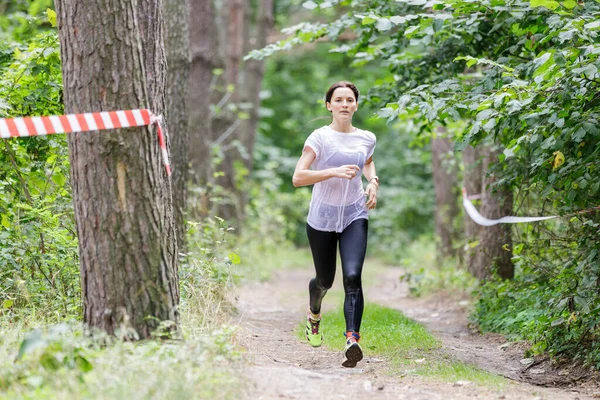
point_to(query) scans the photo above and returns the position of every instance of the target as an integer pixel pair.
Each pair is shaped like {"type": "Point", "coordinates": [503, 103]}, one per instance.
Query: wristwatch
{"type": "Point", "coordinates": [376, 180]}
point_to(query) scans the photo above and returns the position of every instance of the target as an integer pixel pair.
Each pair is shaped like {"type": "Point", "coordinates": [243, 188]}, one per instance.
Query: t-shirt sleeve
{"type": "Point", "coordinates": [314, 142]}
{"type": "Point", "coordinates": [372, 145]}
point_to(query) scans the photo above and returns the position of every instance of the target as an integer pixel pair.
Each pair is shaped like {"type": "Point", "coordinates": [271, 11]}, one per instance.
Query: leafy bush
{"type": "Point", "coordinates": [552, 302]}
{"type": "Point", "coordinates": [39, 268]}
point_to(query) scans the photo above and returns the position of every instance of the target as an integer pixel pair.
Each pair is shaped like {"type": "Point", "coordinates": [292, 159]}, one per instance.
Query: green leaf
{"type": "Point", "coordinates": [7, 303]}
{"type": "Point", "coordinates": [544, 62]}
{"type": "Point", "coordinates": [51, 16]}
{"type": "Point", "coordinates": [368, 21]}
{"type": "Point", "coordinates": [83, 364]}
{"type": "Point", "coordinates": [570, 4]}
{"type": "Point", "coordinates": [59, 179]}
{"type": "Point", "coordinates": [49, 362]}
{"type": "Point", "coordinates": [4, 221]}
{"type": "Point", "coordinates": [234, 258]}
{"type": "Point", "coordinates": [518, 248]}
{"type": "Point", "coordinates": [549, 4]}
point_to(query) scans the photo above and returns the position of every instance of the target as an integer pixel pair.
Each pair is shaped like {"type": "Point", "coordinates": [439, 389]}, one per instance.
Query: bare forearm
{"type": "Point", "coordinates": [307, 177]}
{"type": "Point", "coordinates": [369, 171]}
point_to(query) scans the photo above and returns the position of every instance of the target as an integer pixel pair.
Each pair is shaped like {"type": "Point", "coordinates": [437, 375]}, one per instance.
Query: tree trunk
{"type": "Point", "coordinates": [472, 182]}
{"type": "Point", "coordinates": [113, 59]}
{"type": "Point", "coordinates": [254, 71]}
{"type": "Point", "coordinates": [446, 211]}
{"type": "Point", "coordinates": [494, 251]}
{"type": "Point", "coordinates": [178, 61]}
{"type": "Point", "coordinates": [205, 58]}
{"type": "Point", "coordinates": [226, 124]}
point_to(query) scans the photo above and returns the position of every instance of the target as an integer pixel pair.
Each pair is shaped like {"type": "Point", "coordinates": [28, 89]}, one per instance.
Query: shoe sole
{"type": "Point", "coordinates": [353, 355]}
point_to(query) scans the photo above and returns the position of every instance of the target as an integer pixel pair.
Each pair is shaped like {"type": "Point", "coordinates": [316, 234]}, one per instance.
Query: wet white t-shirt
{"type": "Point", "coordinates": [337, 202]}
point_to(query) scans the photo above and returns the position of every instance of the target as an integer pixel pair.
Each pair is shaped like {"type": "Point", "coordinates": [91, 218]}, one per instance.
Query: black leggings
{"type": "Point", "coordinates": [353, 246]}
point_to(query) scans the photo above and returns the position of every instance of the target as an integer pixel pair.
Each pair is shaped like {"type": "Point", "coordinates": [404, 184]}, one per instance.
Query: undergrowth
{"type": "Point", "coordinates": [39, 358]}
{"type": "Point", "coordinates": [425, 275]}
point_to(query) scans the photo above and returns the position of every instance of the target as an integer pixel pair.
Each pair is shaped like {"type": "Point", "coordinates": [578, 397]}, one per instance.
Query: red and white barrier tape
{"type": "Point", "coordinates": [38, 126]}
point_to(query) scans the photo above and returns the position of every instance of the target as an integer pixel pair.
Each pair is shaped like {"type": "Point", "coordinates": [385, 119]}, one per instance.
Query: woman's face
{"type": "Point", "coordinates": [343, 104]}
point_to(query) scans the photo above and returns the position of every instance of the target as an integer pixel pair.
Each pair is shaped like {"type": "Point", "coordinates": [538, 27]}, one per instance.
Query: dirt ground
{"type": "Point", "coordinates": [283, 367]}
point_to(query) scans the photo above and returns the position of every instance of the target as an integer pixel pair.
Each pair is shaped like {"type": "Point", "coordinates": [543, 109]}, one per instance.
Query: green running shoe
{"type": "Point", "coordinates": [353, 352]}
{"type": "Point", "coordinates": [313, 331]}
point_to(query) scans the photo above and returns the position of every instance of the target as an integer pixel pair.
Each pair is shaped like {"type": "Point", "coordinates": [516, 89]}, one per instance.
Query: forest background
{"type": "Point", "coordinates": [499, 97]}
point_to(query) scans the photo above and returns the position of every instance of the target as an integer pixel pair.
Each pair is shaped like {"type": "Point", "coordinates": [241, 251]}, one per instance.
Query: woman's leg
{"type": "Point", "coordinates": [353, 247]}
{"type": "Point", "coordinates": [323, 247]}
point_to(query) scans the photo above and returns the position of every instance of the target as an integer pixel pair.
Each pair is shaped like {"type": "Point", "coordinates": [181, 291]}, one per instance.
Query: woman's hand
{"type": "Point", "coordinates": [371, 192]}
{"type": "Point", "coordinates": [346, 171]}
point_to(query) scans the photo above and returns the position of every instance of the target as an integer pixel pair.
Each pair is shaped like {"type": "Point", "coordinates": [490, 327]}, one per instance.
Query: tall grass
{"type": "Point", "coordinates": [39, 359]}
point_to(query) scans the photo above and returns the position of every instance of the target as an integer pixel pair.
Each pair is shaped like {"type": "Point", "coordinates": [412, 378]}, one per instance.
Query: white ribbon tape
{"type": "Point", "coordinates": [481, 220]}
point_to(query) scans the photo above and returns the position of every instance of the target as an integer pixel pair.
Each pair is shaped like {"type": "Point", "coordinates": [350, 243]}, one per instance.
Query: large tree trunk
{"type": "Point", "coordinates": [178, 61]}
{"type": "Point", "coordinates": [494, 250]}
{"type": "Point", "coordinates": [446, 211]}
{"type": "Point", "coordinates": [472, 182]}
{"type": "Point", "coordinates": [113, 59]}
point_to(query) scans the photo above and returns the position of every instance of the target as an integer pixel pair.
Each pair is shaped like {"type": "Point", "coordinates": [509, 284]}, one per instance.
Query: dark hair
{"type": "Point", "coordinates": [340, 84]}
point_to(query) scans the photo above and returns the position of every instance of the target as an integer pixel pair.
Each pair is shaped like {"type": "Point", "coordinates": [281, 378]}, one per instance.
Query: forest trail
{"type": "Point", "coordinates": [280, 366]}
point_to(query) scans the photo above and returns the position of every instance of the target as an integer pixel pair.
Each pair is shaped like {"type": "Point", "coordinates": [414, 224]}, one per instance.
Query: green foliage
{"type": "Point", "coordinates": [552, 303]}
{"type": "Point", "coordinates": [39, 266]}
{"type": "Point", "coordinates": [205, 274]}
{"type": "Point", "coordinates": [70, 361]}
{"type": "Point", "coordinates": [22, 19]}
{"type": "Point", "coordinates": [524, 75]}
{"type": "Point", "coordinates": [425, 275]}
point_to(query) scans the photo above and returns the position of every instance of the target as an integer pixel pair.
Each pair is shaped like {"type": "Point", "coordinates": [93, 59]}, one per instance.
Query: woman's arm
{"type": "Point", "coordinates": [371, 191]}
{"type": "Point", "coordinates": [303, 176]}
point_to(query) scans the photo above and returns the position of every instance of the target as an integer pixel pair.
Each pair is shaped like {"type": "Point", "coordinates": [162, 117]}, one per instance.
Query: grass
{"type": "Point", "coordinates": [69, 361]}
{"type": "Point", "coordinates": [409, 347]}
{"type": "Point", "coordinates": [66, 361]}
{"type": "Point", "coordinates": [425, 275]}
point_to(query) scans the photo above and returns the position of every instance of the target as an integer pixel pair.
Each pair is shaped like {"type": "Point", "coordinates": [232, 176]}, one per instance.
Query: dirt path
{"type": "Point", "coordinates": [283, 367]}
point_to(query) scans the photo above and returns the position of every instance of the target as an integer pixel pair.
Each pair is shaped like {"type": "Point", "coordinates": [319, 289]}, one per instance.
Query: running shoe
{"type": "Point", "coordinates": [353, 352]}
{"type": "Point", "coordinates": [313, 332]}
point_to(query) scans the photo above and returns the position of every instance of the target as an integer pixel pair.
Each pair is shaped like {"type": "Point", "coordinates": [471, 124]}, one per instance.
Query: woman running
{"type": "Point", "coordinates": [333, 159]}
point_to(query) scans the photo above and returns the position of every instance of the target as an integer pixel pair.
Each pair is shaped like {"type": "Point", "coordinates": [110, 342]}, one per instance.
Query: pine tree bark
{"type": "Point", "coordinates": [446, 211]}
{"type": "Point", "coordinates": [494, 250]}
{"type": "Point", "coordinates": [472, 182]}
{"type": "Point", "coordinates": [113, 59]}
{"type": "Point", "coordinates": [178, 60]}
